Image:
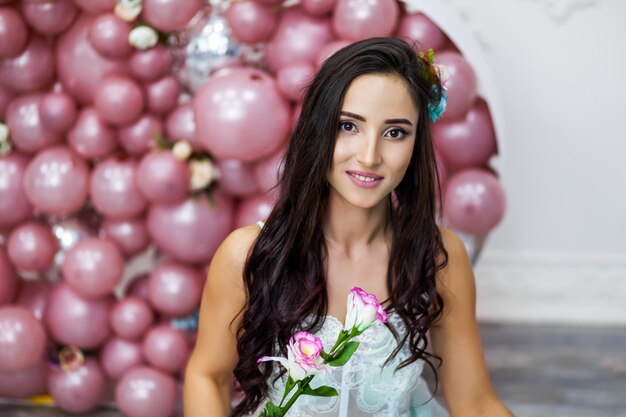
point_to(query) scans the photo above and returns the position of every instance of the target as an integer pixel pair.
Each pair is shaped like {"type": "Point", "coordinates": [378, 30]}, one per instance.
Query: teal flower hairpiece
{"type": "Point", "coordinates": [433, 73]}
{"type": "Point", "coordinates": [436, 111]}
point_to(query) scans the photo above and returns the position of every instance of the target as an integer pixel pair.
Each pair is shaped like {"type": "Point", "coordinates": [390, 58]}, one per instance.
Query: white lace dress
{"type": "Point", "coordinates": [366, 389]}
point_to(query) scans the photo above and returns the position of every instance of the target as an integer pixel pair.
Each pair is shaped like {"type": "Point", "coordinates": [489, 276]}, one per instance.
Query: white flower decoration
{"type": "Point", "coordinates": [182, 150]}
{"type": "Point", "coordinates": [128, 10]}
{"type": "Point", "coordinates": [143, 37]}
{"type": "Point", "coordinates": [203, 173]}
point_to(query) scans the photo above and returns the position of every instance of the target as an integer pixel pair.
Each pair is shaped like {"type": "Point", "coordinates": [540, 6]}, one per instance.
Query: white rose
{"type": "Point", "coordinates": [4, 133]}
{"type": "Point", "coordinates": [182, 150]}
{"type": "Point", "coordinates": [128, 10]}
{"type": "Point", "coordinates": [203, 173]}
{"type": "Point", "coordinates": [143, 37]}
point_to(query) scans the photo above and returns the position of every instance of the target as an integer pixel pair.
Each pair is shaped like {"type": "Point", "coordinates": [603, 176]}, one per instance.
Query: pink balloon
{"type": "Point", "coordinates": [6, 96]}
{"type": "Point", "coordinates": [162, 95]}
{"type": "Point", "coordinates": [8, 279]}
{"type": "Point", "coordinates": [57, 111]}
{"type": "Point", "coordinates": [113, 190]}
{"type": "Point", "coordinates": [138, 137]}
{"type": "Point", "coordinates": [93, 267]}
{"type": "Point", "coordinates": [96, 6]}
{"type": "Point", "coordinates": [175, 289]}
{"type": "Point", "coordinates": [474, 201]}
{"type": "Point", "coordinates": [361, 19]}
{"type": "Point", "coordinates": [165, 348]}
{"type": "Point", "coordinates": [236, 177]}
{"type": "Point", "coordinates": [75, 53]}
{"type": "Point", "coordinates": [254, 209]}
{"type": "Point", "coordinates": [162, 178]}
{"type": "Point", "coordinates": [251, 22]}
{"type": "Point", "coordinates": [130, 235]}
{"type": "Point", "coordinates": [298, 39]}
{"type": "Point", "coordinates": [23, 339]}
{"type": "Point", "coordinates": [466, 142]}
{"type": "Point", "coordinates": [181, 124]}
{"type": "Point", "coordinates": [293, 80]}
{"type": "Point", "coordinates": [170, 15]}
{"type": "Point", "coordinates": [31, 70]}
{"type": "Point", "coordinates": [131, 317]}
{"type": "Point", "coordinates": [139, 287]}
{"type": "Point", "coordinates": [90, 136]}
{"type": "Point", "coordinates": [149, 64]}
{"type": "Point", "coordinates": [269, 170]}
{"type": "Point", "coordinates": [119, 100]}
{"type": "Point", "coordinates": [26, 126]}
{"type": "Point", "coordinates": [329, 49]}
{"type": "Point", "coordinates": [56, 181]}
{"type": "Point", "coordinates": [49, 17]}
{"type": "Point", "coordinates": [14, 205]}
{"type": "Point", "coordinates": [78, 391]}
{"type": "Point", "coordinates": [33, 295]}
{"type": "Point", "coordinates": [146, 392]}
{"type": "Point", "coordinates": [109, 36]}
{"type": "Point", "coordinates": [119, 355]}
{"type": "Point", "coordinates": [13, 33]}
{"type": "Point", "coordinates": [192, 230]}
{"type": "Point", "coordinates": [74, 320]}
{"type": "Point", "coordinates": [461, 85]}
{"type": "Point", "coordinates": [318, 8]}
{"type": "Point", "coordinates": [419, 28]}
{"type": "Point", "coordinates": [26, 383]}
{"type": "Point", "coordinates": [240, 115]}
{"type": "Point", "coordinates": [31, 246]}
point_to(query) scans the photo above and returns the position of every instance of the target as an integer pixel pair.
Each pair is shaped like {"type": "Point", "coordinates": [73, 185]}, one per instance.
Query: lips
{"type": "Point", "coordinates": [364, 179]}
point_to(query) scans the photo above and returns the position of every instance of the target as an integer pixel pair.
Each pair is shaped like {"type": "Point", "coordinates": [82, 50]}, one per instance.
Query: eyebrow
{"type": "Point", "coordinates": [388, 121]}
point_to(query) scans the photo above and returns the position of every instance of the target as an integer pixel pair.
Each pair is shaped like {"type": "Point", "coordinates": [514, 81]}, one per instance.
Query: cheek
{"type": "Point", "coordinates": [399, 159]}
{"type": "Point", "coordinates": [342, 151]}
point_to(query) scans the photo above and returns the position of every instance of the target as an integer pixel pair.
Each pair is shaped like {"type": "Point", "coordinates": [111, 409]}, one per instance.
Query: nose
{"type": "Point", "coordinates": [369, 153]}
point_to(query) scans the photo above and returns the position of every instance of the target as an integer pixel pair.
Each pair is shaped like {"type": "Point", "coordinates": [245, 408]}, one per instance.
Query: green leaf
{"type": "Point", "coordinates": [325, 356]}
{"type": "Point", "coordinates": [322, 391]}
{"type": "Point", "coordinates": [346, 353]}
{"type": "Point", "coordinates": [272, 410]}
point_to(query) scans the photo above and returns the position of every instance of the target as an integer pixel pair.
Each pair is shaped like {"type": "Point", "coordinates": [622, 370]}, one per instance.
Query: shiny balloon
{"type": "Point", "coordinates": [113, 189]}
{"type": "Point", "coordinates": [8, 278]}
{"type": "Point", "coordinates": [180, 124]}
{"type": "Point", "coordinates": [161, 178]}
{"type": "Point", "coordinates": [236, 177]}
{"type": "Point", "coordinates": [14, 205]}
{"type": "Point", "coordinates": [329, 49]}
{"type": "Point", "coordinates": [131, 317]}
{"type": "Point", "coordinates": [57, 111]}
{"type": "Point", "coordinates": [96, 6]}
{"type": "Point", "coordinates": [56, 181]}
{"type": "Point", "coordinates": [49, 17]}
{"type": "Point", "coordinates": [420, 29]}
{"type": "Point", "coordinates": [461, 85]}
{"type": "Point", "coordinates": [318, 8]}
{"type": "Point", "coordinates": [33, 69]}
{"type": "Point", "coordinates": [175, 289]}
{"type": "Point", "coordinates": [162, 95]}
{"type": "Point", "coordinates": [6, 96]}
{"type": "Point", "coordinates": [192, 230]}
{"type": "Point", "coordinates": [138, 137]}
{"type": "Point", "coordinates": [109, 36]}
{"type": "Point", "coordinates": [360, 19]}
{"type": "Point", "coordinates": [254, 209]}
{"type": "Point", "coordinates": [13, 33]}
{"type": "Point", "coordinates": [118, 356]}
{"type": "Point", "coordinates": [269, 170]}
{"type": "Point", "coordinates": [130, 235]}
{"type": "Point", "coordinates": [92, 137]}
{"type": "Point", "coordinates": [149, 64]}
{"type": "Point", "coordinates": [146, 392]}
{"type": "Point", "coordinates": [293, 80]}
{"type": "Point", "coordinates": [139, 287]}
{"type": "Point", "coordinates": [26, 383]}
{"type": "Point", "coordinates": [119, 100]}
{"type": "Point", "coordinates": [33, 295]}
{"type": "Point", "coordinates": [23, 339]}
{"type": "Point", "coordinates": [165, 348]}
{"type": "Point", "coordinates": [28, 132]}
{"type": "Point", "coordinates": [251, 21]}
{"type": "Point", "coordinates": [31, 246]}
{"type": "Point", "coordinates": [78, 391]}
{"type": "Point", "coordinates": [170, 15]}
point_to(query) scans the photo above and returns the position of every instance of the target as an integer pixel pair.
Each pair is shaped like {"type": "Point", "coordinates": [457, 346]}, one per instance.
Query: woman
{"type": "Point", "coordinates": [357, 207]}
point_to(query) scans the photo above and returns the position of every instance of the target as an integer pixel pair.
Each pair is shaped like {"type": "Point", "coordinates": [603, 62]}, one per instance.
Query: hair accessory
{"type": "Point", "coordinates": [431, 74]}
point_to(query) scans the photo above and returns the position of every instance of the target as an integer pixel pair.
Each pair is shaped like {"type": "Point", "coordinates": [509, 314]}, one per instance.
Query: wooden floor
{"type": "Point", "coordinates": [539, 371]}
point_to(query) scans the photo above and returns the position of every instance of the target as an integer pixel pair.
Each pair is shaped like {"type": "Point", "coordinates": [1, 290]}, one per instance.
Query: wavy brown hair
{"type": "Point", "coordinates": [284, 273]}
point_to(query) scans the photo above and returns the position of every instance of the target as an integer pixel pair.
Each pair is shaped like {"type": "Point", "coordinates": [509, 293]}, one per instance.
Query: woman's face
{"type": "Point", "coordinates": [375, 140]}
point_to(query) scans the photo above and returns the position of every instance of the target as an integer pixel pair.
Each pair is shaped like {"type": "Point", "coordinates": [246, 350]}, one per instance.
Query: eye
{"type": "Point", "coordinates": [396, 133]}
{"type": "Point", "coordinates": [347, 126]}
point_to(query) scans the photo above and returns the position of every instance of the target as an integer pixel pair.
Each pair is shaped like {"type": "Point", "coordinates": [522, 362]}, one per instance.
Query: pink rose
{"type": "Point", "coordinates": [363, 310]}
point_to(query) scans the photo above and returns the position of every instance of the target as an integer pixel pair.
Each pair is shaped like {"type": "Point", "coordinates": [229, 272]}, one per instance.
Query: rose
{"type": "Point", "coordinates": [203, 173]}
{"type": "Point", "coordinates": [363, 310]}
{"type": "Point", "coordinates": [182, 150]}
{"type": "Point", "coordinates": [128, 10]}
{"type": "Point", "coordinates": [143, 37]}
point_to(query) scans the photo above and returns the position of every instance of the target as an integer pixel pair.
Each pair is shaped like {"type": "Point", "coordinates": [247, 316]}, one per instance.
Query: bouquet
{"type": "Point", "coordinates": [307, 358]}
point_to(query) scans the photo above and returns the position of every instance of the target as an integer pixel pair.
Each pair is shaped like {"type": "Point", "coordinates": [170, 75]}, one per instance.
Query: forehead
{"type": "Point", "coordinates": [383, 95]}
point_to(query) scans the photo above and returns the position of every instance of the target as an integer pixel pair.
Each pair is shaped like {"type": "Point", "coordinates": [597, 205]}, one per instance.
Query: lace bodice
{"type": "Point", "coordinates": [366, 389]}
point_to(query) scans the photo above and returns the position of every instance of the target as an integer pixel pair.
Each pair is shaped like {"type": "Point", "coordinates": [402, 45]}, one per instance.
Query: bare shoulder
{"type": "Point", "coordinates": [456, 279]}
{"type": "Point", "coordinates": [235, 248]}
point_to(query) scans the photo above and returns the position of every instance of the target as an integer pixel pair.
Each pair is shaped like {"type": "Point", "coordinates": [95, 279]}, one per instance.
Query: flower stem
{"type": "Point", "coordinates": [301, 385]}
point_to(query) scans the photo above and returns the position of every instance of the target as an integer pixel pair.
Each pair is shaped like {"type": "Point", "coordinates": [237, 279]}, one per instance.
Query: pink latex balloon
{"type": "Point", "coordinates": [31, 246]}
{"type": "Point", "coordinates": [165, 348]}
{"type": "Point", "coordinates": [149, 64]}
{"type": "Point", "coordinates": [251, 22]}
{"type": "Point", "coordinates": [192, 230]}
{"type": "Point", "coordinates": [461, 85]}
{"type": "Point", "coordinates": [6, 96]}
{"type": "Point", "coordinates": [138, 137]}
{"type": "Point", "coordinates": [78, 391]}
{"type": "Point", "coordinates": [57, 111]}
{"type": "Point", "coordinates": [293, 80]}
{"type": "Point", "coordinates": [14, 205]}
{"type": "Point", "coordinates": [236, 177]}
{"type": "Point", "coordinates": [254, 209]}
{"type": "Point", "coordinates": [26, 383]}
{"type": "Point", "coordinates": [49, 17]}
{"type": "Point", "coordinates": [131, 317]}
{"type": "Point", "coordinates": [170, 15]}
{"type": "Point", "coordinates": [419, 28]}
{"type": "Point", "coordinates": [146, 392]}
{"type": "Point", "coordinates": [268, 171]}
{"type": "Point", "coordinates": [8, 279]}
{"type": "Point", "coordinates": [75, 53]}
{"type": "Point", "coordinates": [162, 178]}
{"type": "Point", "coordinates": [240, 115]}
{"type": "Point", "coordinates": [93, 267]}
{"type": "Point", "coordinates": [33, 295]}
{"type": "Point", "coordinates": [298, 39]}
{"type": "Point", "coordinates": [119, 355]}
{"type": "Point", "coordinates": [328, 50]}
{"type": "Point", "coordinates": [181, 124]}
{"type": "Point", "coordinates": [109, 36]}
{"type": "Point", "coordinates": [28, 133]}
{"type": "Point", "coordinates": [96, 6]}
{"type": "Point", "coordinates": [130, 235]}
{"type": "Point", "coordinates": [175, 289]}
{"type": "Point", "coordinates": [113, 190]}
{"type": "Point", "coordinates": [119, 100]}
{"type": "Point", "coordinates": [23, 339]}
{"type": "Point", "coordinates": [56, 181]}
{"type": "Point", "coordinates": [360, 19]}
{"type": "Point", "coordinates": [31, 70]}
{"type": "Point", "coordinates": [466, 142]}
{"type": "Point", "coordinates": [162, 95]}
{"type": "Point", "coordinates": [474, 201]}
{"type": "Point", "coordinates": [74, 320]}
{"type": "Point", "coordinates": [13, 33]}
{"type": "Point", "coordinates": [318, 8]}
{"type": "Point", "coordinates": [90, 136]}
{"type": "Point", "coordinates": [139, 287]}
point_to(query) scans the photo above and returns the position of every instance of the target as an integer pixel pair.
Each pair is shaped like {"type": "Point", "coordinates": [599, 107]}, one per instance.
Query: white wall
{"type": "Point", "coordinates": [560, 253]}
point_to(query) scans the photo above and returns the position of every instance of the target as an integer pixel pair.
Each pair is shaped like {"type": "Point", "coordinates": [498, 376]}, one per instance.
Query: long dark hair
{"type": "Point", "coordinates": [284, 273]}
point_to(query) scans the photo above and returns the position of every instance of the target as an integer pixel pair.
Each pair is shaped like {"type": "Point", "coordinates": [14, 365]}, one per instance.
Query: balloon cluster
{"type": "Point", "coordinates": [131, 126]}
